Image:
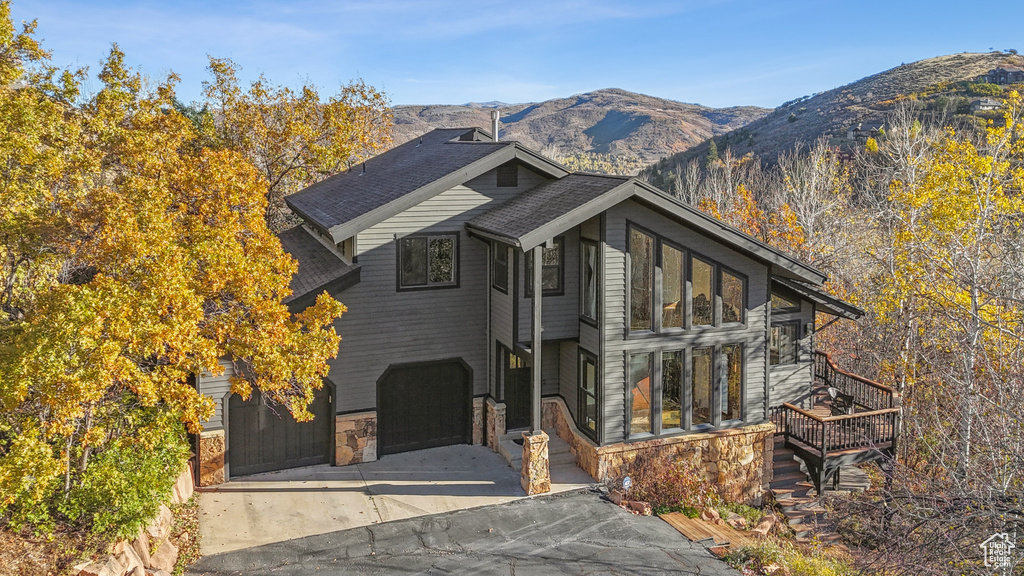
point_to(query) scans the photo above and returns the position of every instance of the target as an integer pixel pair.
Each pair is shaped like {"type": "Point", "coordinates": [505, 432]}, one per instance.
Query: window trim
{"type": "Point", "coordinates": [497, 248]}
{"type": "Point", "coordinates": [597, 281]}
{"type": "Point", "coordinates": [720, 297]}
{"type": "Point", "coordinates": [723, 380]}
{"type": "Point", "coordinates": [584, 356]}
{"type": "Point", "coordinates": [399, 287]}
{"type": "Point", "coordinates": [684, 284]}
{"type": "Point", "coordinates": [558, 241]}
{"type": "Point", "coordinates": [654, 371]}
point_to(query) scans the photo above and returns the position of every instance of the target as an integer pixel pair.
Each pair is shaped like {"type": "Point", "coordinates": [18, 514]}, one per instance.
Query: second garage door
{"type": "Point", "coordinates": [423, 405]}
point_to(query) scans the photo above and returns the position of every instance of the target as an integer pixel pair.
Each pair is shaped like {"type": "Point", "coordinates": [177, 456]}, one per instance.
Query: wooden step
{"type": "Point", "coordinates": [789, 478]}
{"type": "Point", "coordinates": [697, 530]}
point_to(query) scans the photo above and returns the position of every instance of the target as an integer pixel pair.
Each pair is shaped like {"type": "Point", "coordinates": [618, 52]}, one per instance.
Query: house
{"type": "Point", "coordinates": [1001, 75]}
{"type": "Point", "coordinates": [985, 105]}
{"type": "Point", "coordinates": [489, 289]}
{"type": "Point", "coordinates": [861, 131]}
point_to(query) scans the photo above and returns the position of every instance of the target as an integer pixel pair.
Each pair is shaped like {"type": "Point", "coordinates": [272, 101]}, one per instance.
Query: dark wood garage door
{"type": "Point", "coordinates": [423, 405]}
{"type": "Point", "coordinates": [261, 439]}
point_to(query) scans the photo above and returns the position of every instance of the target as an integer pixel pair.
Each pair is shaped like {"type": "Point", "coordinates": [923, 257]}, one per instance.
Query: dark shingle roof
{"type": "Point", "coordinates": [536, 208]}
{"type": "Point", "coordinates": [319, 268]}
{"type": "Point", "coordinates": [390, 176]}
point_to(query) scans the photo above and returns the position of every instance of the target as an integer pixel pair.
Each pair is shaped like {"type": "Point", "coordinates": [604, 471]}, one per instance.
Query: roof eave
{"type": "Point", "coordinates": [822, 299]}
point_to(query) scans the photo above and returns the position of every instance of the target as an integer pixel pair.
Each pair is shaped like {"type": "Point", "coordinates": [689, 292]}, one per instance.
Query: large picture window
{"type": "Point", "coordinates": [673, 281]}
{"type": "Point", "coordinates": [733, 300]}
{"type": "Point", "coordinates": [640, 394]}
{"type": "Point", "coordinates": [641, 280]}
{"type": "Point", "coordinates": [588, 279]}
{"type": "Point", "coordinates": [551, 269]}
{"type": "Point", "coordinates": [671, 390]}
{"type": "Point", "coordinates": [732, 388]}
{"type": "Point", "coordinates": [703, 375]}
{"type": "Point", "coordinates": [703, 299]}
{"type": "Point", "coordinates": [587, 413]}
{"type": "Point", "coordinates": [428, 261]}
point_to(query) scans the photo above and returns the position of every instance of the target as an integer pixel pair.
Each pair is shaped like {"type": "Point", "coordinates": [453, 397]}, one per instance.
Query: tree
{"type": "Point", "coordinates": [712, 156]}
{"type": "Point", "coordinates": [293, 137]}
{"type": "Point", "coordinates": [132, 259]}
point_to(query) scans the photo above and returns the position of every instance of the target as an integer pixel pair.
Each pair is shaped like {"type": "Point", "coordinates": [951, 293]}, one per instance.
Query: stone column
{"type": "Point", "coordinates": [535, 476]}
{"type": "Point", "coordinates": [211, 457]}
{"type": "Point", "coordinates": [495, 423]}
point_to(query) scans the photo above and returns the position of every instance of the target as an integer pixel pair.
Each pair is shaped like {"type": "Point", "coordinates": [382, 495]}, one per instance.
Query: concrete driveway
{"type": "Point", "coordinates": [571, 533]}
{"type": "Point", "coordinates": [290, 504]}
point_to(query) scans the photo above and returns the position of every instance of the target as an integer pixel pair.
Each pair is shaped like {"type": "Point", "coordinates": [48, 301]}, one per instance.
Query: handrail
{"type": "Point", "coordinates": [867, 393]}
{"type": "Point", "coordinates": [859, 378]}
{"type": "Point", "coordinates": [803, 412]}
{"type": "Point", "coordinates": [856, 415]}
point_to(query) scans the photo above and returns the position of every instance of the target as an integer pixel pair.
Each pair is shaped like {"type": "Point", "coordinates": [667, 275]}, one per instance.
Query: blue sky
{"type": "Point", "coordinates": [713, 52]}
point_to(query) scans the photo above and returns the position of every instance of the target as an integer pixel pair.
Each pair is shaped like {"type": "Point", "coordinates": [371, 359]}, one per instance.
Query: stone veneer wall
{"type": "Point", "coordinates": [478, 421]}
{"type": "Point", "coordinates": [212, 449]}
{"type": "Point", "coordinates": [495, 423]}
{"type": "Point", "coordinates": [738, 460]}
{"type": "Point", "coordinates": [355, 438]}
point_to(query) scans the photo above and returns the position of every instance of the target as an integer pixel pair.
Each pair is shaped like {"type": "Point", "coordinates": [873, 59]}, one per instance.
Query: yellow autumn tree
{"type": "Point", "coordinates": [132, 260]}
{"type": "Point", "coordinates": [293, 137]}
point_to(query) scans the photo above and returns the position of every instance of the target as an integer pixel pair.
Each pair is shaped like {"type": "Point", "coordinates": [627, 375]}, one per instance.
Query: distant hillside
{"type": "Point", "coordinates": [832, 112]}
{"type": "Point", "coordinates": [614, 123]}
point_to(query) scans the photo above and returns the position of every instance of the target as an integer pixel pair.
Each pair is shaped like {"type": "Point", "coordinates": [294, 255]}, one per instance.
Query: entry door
{"type": "Point", "coordinates": [518, 396]}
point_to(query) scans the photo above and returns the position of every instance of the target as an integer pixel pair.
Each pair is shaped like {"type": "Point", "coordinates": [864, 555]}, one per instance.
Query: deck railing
{"type": "Point", "coordinates": [830, 434]}
{"type": "Point", "coordinates": [867, 395]}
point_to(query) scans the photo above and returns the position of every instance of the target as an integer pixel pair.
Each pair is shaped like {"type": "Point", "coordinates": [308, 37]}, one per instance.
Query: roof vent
{"type": "Point", "coordinates": [494, 124]}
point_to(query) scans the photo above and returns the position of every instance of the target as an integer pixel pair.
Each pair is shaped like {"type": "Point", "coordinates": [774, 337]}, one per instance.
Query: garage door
{"type": "Point", "coordinates": [261, 439]}
{"type": "Point", "coordinates": [423, 405]}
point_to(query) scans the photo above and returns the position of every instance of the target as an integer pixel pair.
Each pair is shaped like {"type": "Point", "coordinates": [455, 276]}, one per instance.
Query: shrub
{"type": "Point", "coordinates": [769, 557]}
{"type": "Point", "coordinates": [669, 484]}
{"type": "Point", "coordinates": [124, 485]}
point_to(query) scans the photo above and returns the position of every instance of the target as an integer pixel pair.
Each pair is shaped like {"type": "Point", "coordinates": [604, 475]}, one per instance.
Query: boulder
{"type": "Point", "coordinates": [710, 515]}
{"type": "Point", "coordinates": [150, 572]}
{"type": "Point", "coordinates": [105, 566]}
{"type": "Point", "coordinates": [736, 521]}
{"type": "Point", "coordinates": [184, 486]}
{"type": "Point", "coordinates": [129, 559]}
{"type": "Point", "coordinates": [141, 546]}
{"type": "Point", "coordinates": [160, 527]}
{"type": "Point", "coordinates": [616, 497]}
{"type": "Point", "coordinates": [164, 557]}
{"type": "Point", "coordinates": [137, 571]}
{"type": "Point", "coordinates": [641, 508]}
{"type": "Point", "coordinates": [766, 525]}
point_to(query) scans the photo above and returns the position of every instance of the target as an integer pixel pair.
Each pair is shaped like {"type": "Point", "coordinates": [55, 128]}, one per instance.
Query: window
{"type": "Point", "coordinates": [703, 299]}
{"type": "Point", "coordinates": [588, 279]}
{"type": "Point", "coordinates": [428, 261]}
{"type": "Point", "coordinates": [782, 347]}
{"type": "Point", "coordinates": [782, 303]}
{"type": "Point", "coordinates": [508, 175]}
{"type": "Point", "coordinates": [732, 388]}
{"type": "Point", "coordinates": [672, 282]}
{"type": "Point", "coordinates": [500, 267]}
{"type": "Point", "coordinates": [733, 301]}
{"type": "Point", "coordinates": [586, 410]}
{"type": "Point", "coordinates": [671, 390]}
{"type": "Point", "coordinates": [702, 385]}
{"type": "Point", "coordinates": [551, 270]}
{"type": "Point", "coordinates": [641, 280]}
{"type": "Point", "coordinates": [640, 393]}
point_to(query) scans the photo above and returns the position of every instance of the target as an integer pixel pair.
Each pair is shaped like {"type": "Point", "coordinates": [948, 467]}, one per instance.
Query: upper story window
{"type": "Point", "coordinates": [661, 303]}
{"type": "Point", "coordinates": [588, 279]}
{"type": "Point", "coordinates": [641, 280]}
{"type": "Point", "coordinates": [783, 303]}
{"type": "Point", "coordinates": [499, 267]}
{"type": "Point", "coordinates": [552, 260]}
{"type": "Point", "coordinates": [508, 175]}
{"type": "Point", "coordinates": [783, 343]}
{"type": "Point", "coordinates": [428, 261]}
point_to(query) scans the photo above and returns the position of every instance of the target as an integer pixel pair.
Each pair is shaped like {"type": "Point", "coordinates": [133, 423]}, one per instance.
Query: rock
{"type": "Point", "coordinates": [129, 559]}
{"type": "Point", "coordinates": [157, 573]}
{"type": "Point", "coordinates": [160, 527]}
{"type": "Point", "coordinates": [641, 508]}
{"type": "Point", "coordinates": [141, 546]}
{"type": "Point", "coordinates": [137, 571]}
{"type": "Point", "coordinates": [106, 566]}
{"type": "Point", "coordinates": [616, 497]}
{"type": "Point", "coordinates": [165, 556]}
{"type": "Point", "coordinates": [710, 515]}
{"type": "Point", "coordinates": [736, 521]}
{"type": "Point", "coordinates": [184, 486]}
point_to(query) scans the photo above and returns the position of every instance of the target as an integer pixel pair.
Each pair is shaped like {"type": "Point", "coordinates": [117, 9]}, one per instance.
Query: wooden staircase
{"type": "Point", "coordinates": [796, 497]}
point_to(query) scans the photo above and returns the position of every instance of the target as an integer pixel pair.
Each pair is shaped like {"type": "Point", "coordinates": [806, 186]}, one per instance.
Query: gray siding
{"type": "Point", "coordinates": [549, 372]}
{"type": "Point", "coordinates": [384, 326]}
{"type": "Point", "coordinates": [217, 388]}
{"type": "Point", "coordinates": [617, 345]}
{"type": "Point", "coordinates": [568, 366]}
{"type": "Point", "coordinates": [560, 313]}
{"type": "Point", "coordinates": [792, 382]}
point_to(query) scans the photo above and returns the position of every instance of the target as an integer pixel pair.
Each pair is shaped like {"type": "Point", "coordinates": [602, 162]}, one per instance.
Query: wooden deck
{"type": "Point", "coordinates": [708, 534]}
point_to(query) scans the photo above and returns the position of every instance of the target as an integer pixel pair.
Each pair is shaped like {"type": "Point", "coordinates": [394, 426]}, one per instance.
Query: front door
{"type": "Point", "coordinates": [518, 393]}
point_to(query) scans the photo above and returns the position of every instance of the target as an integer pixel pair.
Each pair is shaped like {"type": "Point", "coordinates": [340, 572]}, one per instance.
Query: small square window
{"type": "Point", "coordinates": [428, 261]}
{"type": "Point", "coordinates": [551, 270]}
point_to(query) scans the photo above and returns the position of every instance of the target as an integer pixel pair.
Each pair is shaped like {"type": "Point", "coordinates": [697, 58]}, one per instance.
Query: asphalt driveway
{"type": "Point", "coordinates": [569, 533]}
{"type": "Point", "coordinates": [291, 504]}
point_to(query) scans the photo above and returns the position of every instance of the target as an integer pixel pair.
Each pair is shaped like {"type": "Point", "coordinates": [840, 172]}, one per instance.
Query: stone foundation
{"type": "Point", "coordinates": [738, 460]}
{"type": "Point", "coordinates": [478, 421]}
{"type": "Point", "coordinates": [495, 414]}
{"type": "Point", "coordinates": [355, 438]}
{"type": "Point", "coordinates": [535, 475]}
{"type": "Point", "coordinates": [212, 449]}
